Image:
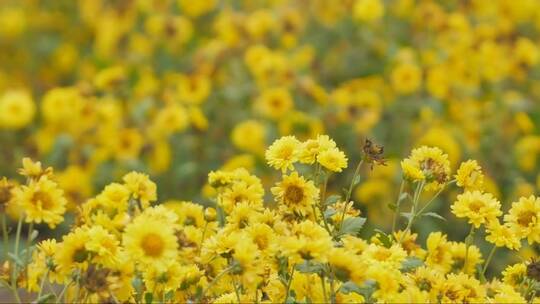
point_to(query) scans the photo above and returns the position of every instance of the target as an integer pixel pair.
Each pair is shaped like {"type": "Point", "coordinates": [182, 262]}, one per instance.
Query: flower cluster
{"type": "Point", "coordinates": [298, 242]}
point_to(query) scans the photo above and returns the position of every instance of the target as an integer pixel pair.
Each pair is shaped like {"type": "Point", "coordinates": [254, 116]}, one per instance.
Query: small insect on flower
{"type": "Point", "coordinates": [533, 270]}
{"type": "Point", "coordinates": [373, 153]}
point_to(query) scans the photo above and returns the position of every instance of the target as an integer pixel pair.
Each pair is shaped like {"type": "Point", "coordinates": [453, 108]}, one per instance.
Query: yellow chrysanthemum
{"type": "Point", "coordinates": [514, 275]}
{"type": "Point", "coordinates": [503, 235]}
{"type": "Point", "coordinates": [283, 153]}
{"type": "Point", "coordinates": [148, 241]}
{"type": "Point", "coordinates": [42, 201]}
{"type": "Point", "coordinates": [295, 194]}
{"type": "Point", "coordinates": [524, 217]}
{"type": "Point", "coordinates": [427, 164]}
{"type": "Point", "coordinates": [480, 208]}
{"type": "Point", "coordinates": [141, 187]}
{"type": "Point", "coordinates": [332, 159]}
{"type": "Point", "coordinates": [469, 176]}
{"type": "Point", "coordinates": [72, 253]}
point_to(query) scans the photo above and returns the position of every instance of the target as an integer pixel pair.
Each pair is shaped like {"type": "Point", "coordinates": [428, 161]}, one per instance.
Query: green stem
{"type": "Point", "coordinates": [434, 197]}
{"type": "Point", "coordinates": [398, 202]}
{"type": "Point", "coordinates": [59, 298]}
{"type": "Point", "coordinates": [321, 203]}
{"type": "Point", "coordinates": [236, 289]}
{"type": "Point", "coordinates": [202, 237]}
{"type": "Point", "coordinates": [289, 283]}
{"type": "Point", "coordinates": [468, 242]}
{"type": "Point", "coordinates": [214, 281]}
{"type": "Point", "coordinates": [416, 198]}
{"type": "Point", "coordinates": [28, 243]}
{"type": "Point", "coordinates": [490, 256]}
{"type": "Point", "coordinates": [349, 194]}
{"type": "Point", "coordinates": [5, 235]}
{"type": "Point", "coordinates": [42, 285]}
{"type": "Point", "coordinates": [16, 254]}
{"type": "Point", "coordinates": [324, 289]}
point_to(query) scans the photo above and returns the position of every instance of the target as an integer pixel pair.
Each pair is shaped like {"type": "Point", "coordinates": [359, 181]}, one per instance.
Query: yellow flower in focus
{"type": "Point", "coordinates": [514, 275]}
{"type": "Point", "coordinates": [427, 164]}
{"type": "Point", "coordinates": [313, 147]}
{"type": "Point", "coordinates": [462, 288]}
{"type": "Point", "coordinates": [149, 242]}
{"type": "Point", "coordinates": [103, 245]}
{"type": "Point", "coordinates": [283, 153]}
{"type": "Point", "coordinates": [42, 201]}
{"type": "Point", "coordinates": [141, 187]}
{"type": "Point", "coordinates": [162, 280]}
{"type": "Point", "coordinates": [524, 218]}
{"type": "Point", "coordinates": [295, 194]}
{"type": "Point", "coordinates": [308, 241]}
{"type": "Point", "coordinates": [480, 208]}
{"type": "Point", "coordinates": [347, 265]}
{"type": "Point", "coordinates": [465, 258]}
{"type": "Point", "coordinates": [17, 109]}
{"type": "Point", "coordinates": [438, 255]}
{"type": "Point", "coordinates": [470, 176]}
{"type": "Point", "coordinates": [332, 159]}
{"type": "Point", "coordinates": [33, 169]}
{"type": "Point", "coordinates": [406, 78]}
{"type": "Point", "coordinates": [502, 235]}
{"type": "Point", "coordinates": [71, 252]}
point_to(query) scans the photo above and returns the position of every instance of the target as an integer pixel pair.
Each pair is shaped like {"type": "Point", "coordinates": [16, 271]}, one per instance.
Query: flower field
{"type": "Point", "coordinates": [270, 151]}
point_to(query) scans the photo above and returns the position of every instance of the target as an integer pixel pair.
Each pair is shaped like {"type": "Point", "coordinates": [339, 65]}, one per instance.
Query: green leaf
{"type": "Point", "coordinates": [385, 239]}
{"type": "Point", "coordinates": [365, 290]}
{"type": "Point", "coordinates": [332, 199]}
{"type": "Point", "coordinates": [481, 276]}
{"type": "Point", "coordinates": [410, 264]}
{"type": "Point", "coordinates": [309, 267]}
{"type": "Point", "coordinates": [403, 196]}
{"type": "Point", "coordinates": [148, 297]}
{"type": "Point", "coordinates": [329, 212]}
{"type": "Point", "coordinates": [435, 215]}
{"type": "Point", "coordinates": [392, 206]}
{"type": "Point", "coordinates": [407, 215]}
{"type": "Point", "coordinates": [352, 226]}
{"type": "Point", "coordinates": [16, 259]}
{"type": "Point", "coordinates": [48, 298]}
{"type": "Point", "coordinates": [220, 216]}
{"type": "Point", "coordinates": [356, 180]}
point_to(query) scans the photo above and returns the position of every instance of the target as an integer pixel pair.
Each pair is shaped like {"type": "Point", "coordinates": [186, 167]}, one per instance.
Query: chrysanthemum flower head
{"type": "Point", "coordinates": [469, 176]}
{"type": "Point", "coordinates": [295, 194]}
{"type": "Point", "coordinates": [283, 153]}
{"type": "Point", "coordinates": [42, 201]}
{"type": "Point", "coordinates": [428, 164]}
{"type": "Point", "coordinates": [149, 240]}
{"type": "Point", "coordinates": [524, 217]}
{"type": "Point", "coordinates": [503, 235]}
{"type": "Point", "coordinates": [141, 187]}
{"type": "Point", "coordinates": [332, 159]}
{"type": "Point", "coordinates": [480, 208]}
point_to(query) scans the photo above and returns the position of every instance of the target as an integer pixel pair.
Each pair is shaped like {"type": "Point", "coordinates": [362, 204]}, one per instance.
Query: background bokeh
{"type": "Point", "coordinates": [178, 88]}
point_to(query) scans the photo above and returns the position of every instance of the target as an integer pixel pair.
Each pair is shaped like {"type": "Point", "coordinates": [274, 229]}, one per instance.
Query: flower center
{"type": "Point", "coordinates": [475, 206]}
{"type": "Point", "coordinates": [294, 194]}
{"type": "Point", "coordinates": [44, 199]}
{"type": "Point", "coordinates": [525, 218]}
{"type": "Point", "coordinates": [152, 244]}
